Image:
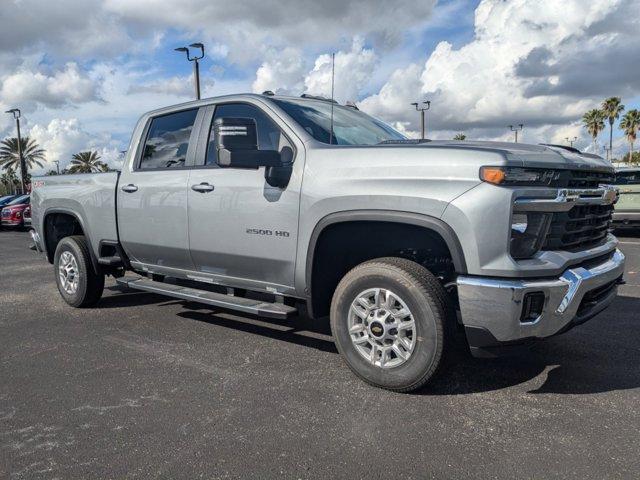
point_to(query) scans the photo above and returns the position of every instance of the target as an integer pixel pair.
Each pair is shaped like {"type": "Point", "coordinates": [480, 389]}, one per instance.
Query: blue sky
{"type": "Point", "coordinates": [83, 71]}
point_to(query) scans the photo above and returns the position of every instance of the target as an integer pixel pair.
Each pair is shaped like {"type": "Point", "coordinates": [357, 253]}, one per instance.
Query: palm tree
{"type": "Point", "coordinates": [31, 152]}
{"type": "Point", "coordinates": [9, 180]}
{"type": "Point", "coordinates": [460, 136]}
{"type": "Point", "coordinates": [631, 124]}
{"type": "Point", "coordinates": [87, 162]}
{"type": "Point", "coordinates": [593, 121]}
{"type": "Point", "coordinates": [612, 108]}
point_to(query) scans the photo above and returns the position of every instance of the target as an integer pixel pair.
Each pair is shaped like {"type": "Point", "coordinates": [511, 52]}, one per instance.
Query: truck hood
{"type": "Point", "coordinates": [522, 154]}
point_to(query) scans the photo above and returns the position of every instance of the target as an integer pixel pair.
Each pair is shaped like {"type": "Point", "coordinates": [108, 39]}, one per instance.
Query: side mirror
{"type": "Point", "coordinates": [279, 176]}
{"type": "Point", "coordinates": [237, 145]}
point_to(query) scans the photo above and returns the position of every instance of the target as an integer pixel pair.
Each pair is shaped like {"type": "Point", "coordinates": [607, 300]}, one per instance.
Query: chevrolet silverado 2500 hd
{"type": "Point", "coordinates": [263, 203]}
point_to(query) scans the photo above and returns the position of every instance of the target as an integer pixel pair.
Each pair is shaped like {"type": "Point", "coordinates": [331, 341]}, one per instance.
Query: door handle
{"type": "Point", "coordinates": [129, 188]}
{"type": "Point", "coordinates": [203, 187]}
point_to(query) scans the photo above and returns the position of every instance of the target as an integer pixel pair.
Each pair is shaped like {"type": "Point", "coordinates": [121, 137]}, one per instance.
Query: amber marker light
{"type": "Point", "coordinates": [493, 175]}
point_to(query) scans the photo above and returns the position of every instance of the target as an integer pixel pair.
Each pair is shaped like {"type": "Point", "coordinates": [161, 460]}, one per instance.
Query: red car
{"type": "Point", "coordinates": [13, 213]}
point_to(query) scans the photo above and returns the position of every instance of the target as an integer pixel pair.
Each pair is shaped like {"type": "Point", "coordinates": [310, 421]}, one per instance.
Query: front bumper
{"type": "Point", "coordinates": [491, 308]}
{"type": "Point", "coordinates": [11, 223]}
{"type": "Point", "coordinates": [625, 217]}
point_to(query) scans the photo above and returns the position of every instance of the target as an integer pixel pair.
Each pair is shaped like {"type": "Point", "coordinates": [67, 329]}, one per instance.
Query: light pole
{"type": "Point", "coordinates": [23, 166]}
{"type": "Point", "coordinates": [422, 110]}
{"type": "Point", "coordinates": [516, 129]}
{"type": "Point", "coordinates": [570, 142]}
{"type": "Point", "coordinates": [607, 152]}
{"type": "Point", "coordinates": [196, 64]}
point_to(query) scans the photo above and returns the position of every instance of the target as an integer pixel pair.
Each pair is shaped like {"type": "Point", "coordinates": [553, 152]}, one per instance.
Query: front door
{"type": "Point", "coordinates": [152, 194]}
{"type": "Point", "coordinates": [244, 231]}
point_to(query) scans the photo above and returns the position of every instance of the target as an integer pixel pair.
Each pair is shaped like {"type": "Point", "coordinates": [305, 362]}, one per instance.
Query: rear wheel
{"type": "Point", "coordinates": [388, 319]}
{"type": "Point", "coordinates": [78, 283]}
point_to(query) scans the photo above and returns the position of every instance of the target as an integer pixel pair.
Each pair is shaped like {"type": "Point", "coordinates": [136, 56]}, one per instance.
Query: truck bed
{"type": "Point", "coordinates": [89, 196]}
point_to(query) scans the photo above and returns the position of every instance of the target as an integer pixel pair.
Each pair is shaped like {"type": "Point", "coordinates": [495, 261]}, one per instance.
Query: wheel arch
{"type": "Point", "coordinates": [438, 228]}
{"type": "Point", "coordinates": [51, 238]}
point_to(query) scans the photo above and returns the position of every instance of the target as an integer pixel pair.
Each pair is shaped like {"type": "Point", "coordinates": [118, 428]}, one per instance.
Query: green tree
{"type": "Point", "coordinates": [630, 124]}
{"type": "Point", "coordinates": [87, 162]}
{"type": "Point", "coordinates": [31, 152]}
{"type": "Point", "coordinates": [460, 136]}
{"type": "Point", "coordinates": [612, 108]}
{"type": "Point", "coordinates": [593, 121]}
{"type": "Point", "coordinates": [9, 181]}
{"type": "Point", "coordinates": [634, 160]}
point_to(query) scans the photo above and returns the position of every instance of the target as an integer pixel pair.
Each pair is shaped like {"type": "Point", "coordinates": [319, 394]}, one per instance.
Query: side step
{"type": "Point", "coordinates": [246, 305]}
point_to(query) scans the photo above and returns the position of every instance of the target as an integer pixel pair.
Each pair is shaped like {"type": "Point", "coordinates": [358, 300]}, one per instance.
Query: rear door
{"type": "Point", "coordinates": [152, 192]}
{"type": "Point", "coordinates": [243, 231]}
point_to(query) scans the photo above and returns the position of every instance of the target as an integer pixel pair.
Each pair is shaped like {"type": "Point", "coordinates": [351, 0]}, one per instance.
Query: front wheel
{"type": "Point", "coordinates": [78, 283]}
{"type": "Point", "coordinates": [388, 319]}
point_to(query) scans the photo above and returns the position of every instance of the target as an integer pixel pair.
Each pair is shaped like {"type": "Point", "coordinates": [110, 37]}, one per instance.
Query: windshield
{"type": "Point", "coordinates": [350, 126]}
{"type": "Point", "coordinates": [19, 200]}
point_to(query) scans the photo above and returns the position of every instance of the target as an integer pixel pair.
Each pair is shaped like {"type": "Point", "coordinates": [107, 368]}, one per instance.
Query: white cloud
{"type": "Point", "coordinates": [282, 72]}
{"type": "Point", "coordinates": [286, 72]}
{"type": "Point", "coordinates": [68, 27]}
{"type": "Point", "coordinates": [353, 69]}
{"type": "Point", "coordinates": [491, 81]}
{"type": "Point", "coordinates": [175, 86]}
{"type": "Point", "coordinates": [61, 138]}
{"type": "Point", "coordinates": [68, 86]}
{"type": "Point", "coordinates": [251, 27]}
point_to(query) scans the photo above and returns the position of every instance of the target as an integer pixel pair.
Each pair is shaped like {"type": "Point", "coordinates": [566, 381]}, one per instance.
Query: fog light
{"type": "Point", "coordinates": [532, 307]}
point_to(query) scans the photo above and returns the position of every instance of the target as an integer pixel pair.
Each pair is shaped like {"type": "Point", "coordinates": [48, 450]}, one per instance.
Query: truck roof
{"type": "Point", "coordinates": [540, 152]}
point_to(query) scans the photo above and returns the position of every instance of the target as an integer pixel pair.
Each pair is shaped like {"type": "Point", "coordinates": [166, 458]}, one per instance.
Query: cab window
{"type": "Point", "coordinates": [270, 137]}
{"type": "Point", "coordinates": [168, 140]}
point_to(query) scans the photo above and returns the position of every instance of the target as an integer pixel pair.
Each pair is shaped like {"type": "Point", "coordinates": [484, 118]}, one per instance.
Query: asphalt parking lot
{"type": "Point", "coordinates": [145, 386]}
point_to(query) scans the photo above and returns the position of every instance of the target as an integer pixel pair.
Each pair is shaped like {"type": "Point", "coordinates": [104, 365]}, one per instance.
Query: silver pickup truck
{"type": "Point", "coordinates": [265, 204]}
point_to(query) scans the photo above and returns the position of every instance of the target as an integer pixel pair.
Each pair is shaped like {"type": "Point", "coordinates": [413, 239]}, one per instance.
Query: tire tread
{"type": "Point", "coordinates": [429, 287]}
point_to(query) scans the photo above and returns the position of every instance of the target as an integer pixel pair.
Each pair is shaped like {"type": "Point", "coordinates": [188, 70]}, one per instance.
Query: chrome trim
{"type": "Point", "coordinates": [495, 304]}
{"type": "Point", "coordinates": [575, 277]}
{"type": "Point", "coordinates": [567, 198]}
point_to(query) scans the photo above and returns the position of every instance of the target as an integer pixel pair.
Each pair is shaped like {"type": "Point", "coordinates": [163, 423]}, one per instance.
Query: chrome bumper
{"type": "Point", "coordinates": [495, 305]}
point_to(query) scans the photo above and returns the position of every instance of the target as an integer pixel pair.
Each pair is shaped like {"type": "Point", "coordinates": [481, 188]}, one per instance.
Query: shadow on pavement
{"type": "Point", "coordinates": [582, 361]}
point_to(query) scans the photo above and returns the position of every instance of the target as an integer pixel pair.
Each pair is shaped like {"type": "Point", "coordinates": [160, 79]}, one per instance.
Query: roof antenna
{"type": "Point", "coordinates": [333, 70]}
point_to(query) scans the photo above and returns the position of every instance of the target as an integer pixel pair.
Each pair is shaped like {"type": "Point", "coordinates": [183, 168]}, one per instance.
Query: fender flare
{"type": "Point", "coordinates": [432, 223]}
{"type": "Point", "coordinates": [47, 212]}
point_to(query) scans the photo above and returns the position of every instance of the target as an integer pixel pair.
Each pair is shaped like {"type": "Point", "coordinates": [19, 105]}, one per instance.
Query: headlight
{"type": "Point", "coordinates": [517, 176]}
{"type": "Point", "coordinates": [528, 232]}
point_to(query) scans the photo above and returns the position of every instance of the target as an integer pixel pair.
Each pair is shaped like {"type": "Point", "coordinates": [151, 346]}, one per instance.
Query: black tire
{"type": "Point", "coordinates": [426, 299]}
{"type": "Point", "coordinates": [90, 284]}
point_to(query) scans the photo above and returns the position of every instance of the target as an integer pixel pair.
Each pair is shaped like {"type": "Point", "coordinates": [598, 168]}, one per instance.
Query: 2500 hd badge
{"type": "Point", "coordinates": [267, 232]}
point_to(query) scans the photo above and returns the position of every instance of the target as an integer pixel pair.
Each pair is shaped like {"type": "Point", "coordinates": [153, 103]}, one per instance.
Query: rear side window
{"type": "Point", "coordinates": [168, 140]}
{"type": "Point", "coordinates": [628, 178]}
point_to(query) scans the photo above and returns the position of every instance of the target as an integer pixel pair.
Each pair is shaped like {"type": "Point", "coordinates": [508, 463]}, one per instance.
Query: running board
{"type": "Point", "coordinates": [240, 304]}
